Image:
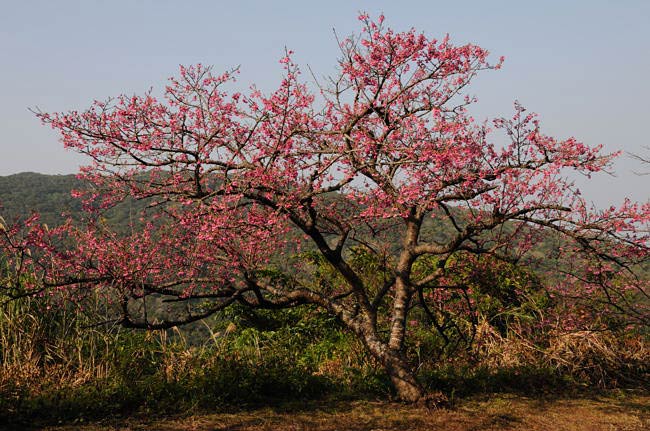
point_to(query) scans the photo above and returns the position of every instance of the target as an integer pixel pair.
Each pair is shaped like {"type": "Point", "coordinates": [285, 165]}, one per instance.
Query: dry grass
{"type": "Point", "coordinates": [41, 363]}
{"type": "Point", "coordinates": [597, 358]}
{"type": "Point", "coordinates": [629, 413]}
{"type": "Point", "coordinates": [38, 350]}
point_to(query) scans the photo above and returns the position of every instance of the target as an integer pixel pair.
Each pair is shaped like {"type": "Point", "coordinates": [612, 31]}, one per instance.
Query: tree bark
{"type": "Point", "coordinates": [400, 310]}
{"type": "Point", "coordinates": [406, 386]}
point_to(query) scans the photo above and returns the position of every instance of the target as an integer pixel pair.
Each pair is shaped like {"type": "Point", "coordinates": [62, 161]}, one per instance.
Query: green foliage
{"type": "Point", "coordinates": [250, 358]}
{"type": "Point", "coordinates": [259, 357]}
{"type": "Point", "coordinates": [48, 195]}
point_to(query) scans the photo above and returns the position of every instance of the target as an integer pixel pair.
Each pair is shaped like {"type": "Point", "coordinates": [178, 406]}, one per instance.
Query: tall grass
{"type": "Point", "coordinates": [546, 361]}
{"type": "Point", "coordinates": [57, 364]}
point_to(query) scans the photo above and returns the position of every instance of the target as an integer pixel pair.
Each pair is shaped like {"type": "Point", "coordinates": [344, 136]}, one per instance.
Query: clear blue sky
{"type": "Point", "coordinates": [584, 65]}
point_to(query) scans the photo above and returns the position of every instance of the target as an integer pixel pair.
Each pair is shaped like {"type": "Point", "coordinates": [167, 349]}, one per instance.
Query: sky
{"type": "Point", "coordinates": [583, 65]}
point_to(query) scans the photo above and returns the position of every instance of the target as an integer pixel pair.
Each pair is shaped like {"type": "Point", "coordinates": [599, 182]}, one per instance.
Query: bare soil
{"type": "Point", "coordinates": [624, 412]}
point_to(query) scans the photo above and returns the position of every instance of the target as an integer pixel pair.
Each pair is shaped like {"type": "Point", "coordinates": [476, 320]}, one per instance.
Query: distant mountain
{"type": "Point", "coordinates": [28, 192]}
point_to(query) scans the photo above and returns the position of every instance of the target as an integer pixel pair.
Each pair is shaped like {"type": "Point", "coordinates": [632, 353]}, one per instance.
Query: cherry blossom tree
{"type": "Point", "coordinates": [250, 194]}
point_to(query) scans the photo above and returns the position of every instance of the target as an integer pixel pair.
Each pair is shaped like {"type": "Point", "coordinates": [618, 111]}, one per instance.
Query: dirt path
{"type": "Point", "coordinates": [500, 412]}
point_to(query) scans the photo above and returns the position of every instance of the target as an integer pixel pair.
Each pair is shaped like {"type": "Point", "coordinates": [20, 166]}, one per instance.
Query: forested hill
{"type": "Point", "coordinates": [50, 196]}
{"type": "Point", "coordinates": [28, 192]}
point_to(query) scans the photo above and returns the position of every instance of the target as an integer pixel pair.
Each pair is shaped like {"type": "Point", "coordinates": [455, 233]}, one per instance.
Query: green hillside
{"type": "Point", "coordinates": [28, 192]}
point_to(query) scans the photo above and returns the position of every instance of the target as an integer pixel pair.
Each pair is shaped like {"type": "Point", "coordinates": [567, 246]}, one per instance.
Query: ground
{"type": "Point", "coordinates": [624, 412]}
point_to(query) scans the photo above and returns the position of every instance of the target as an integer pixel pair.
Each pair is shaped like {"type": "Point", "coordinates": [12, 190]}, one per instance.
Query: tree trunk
{"type": "Point", "coordinates": [406, 385]}
{"type": "Point", "coordinates": [402, 377]}
{"type": "Point", "coordinates": [408, 388]}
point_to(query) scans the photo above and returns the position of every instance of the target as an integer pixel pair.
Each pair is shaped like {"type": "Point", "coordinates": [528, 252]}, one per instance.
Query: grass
{"type": "Point", "coordinates": [301, 371]}
{"type": "Point", "coordinates": [618, 411]}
